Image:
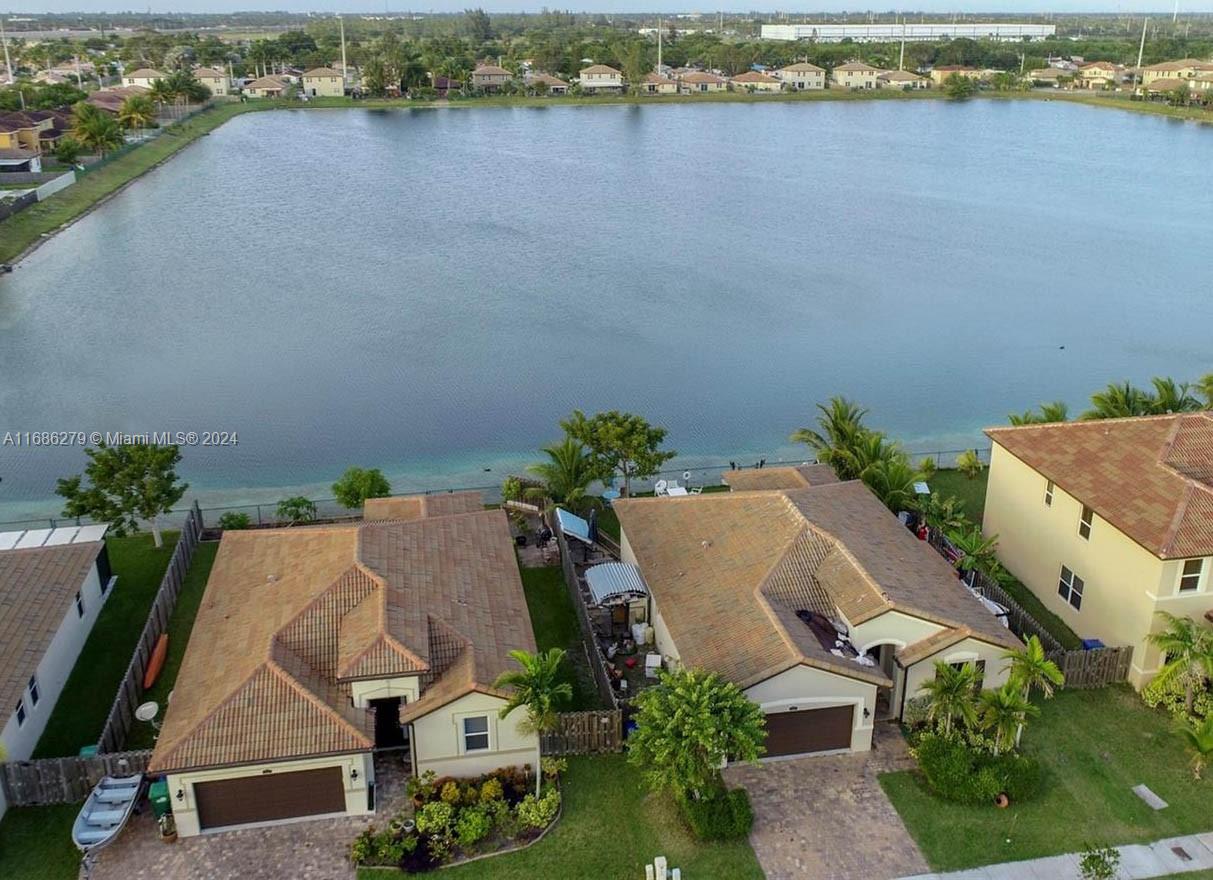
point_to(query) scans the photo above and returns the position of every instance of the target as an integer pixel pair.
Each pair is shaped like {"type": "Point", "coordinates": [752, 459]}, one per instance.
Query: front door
{"type": "Point", "coordinates": [388, 732]}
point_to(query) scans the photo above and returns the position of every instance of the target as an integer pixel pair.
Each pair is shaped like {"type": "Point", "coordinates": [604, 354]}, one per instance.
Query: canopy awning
{"type": "Point", "coordinates": [573, 526]}
{"type": "Point", "coordinates": [613, 582]}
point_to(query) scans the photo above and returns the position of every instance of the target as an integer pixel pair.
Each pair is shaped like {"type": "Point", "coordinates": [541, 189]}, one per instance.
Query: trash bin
{"type": "Point", "coordinates": [87, 751]}
{"type": "Point", "coordinates": [157, 793]}
{"type": "Point", "coordinates": [1091, 644]}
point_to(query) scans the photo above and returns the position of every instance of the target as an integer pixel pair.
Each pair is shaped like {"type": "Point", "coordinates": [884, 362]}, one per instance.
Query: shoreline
{"type": "Point", "coordinates": [25, 232]}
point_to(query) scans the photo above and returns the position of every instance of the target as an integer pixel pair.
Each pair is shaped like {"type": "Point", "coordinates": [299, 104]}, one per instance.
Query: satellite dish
{"type": "Point", "coordinates": [147, 711]}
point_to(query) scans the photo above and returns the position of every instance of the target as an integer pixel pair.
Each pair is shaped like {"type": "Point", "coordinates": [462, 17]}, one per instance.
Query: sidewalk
{"type": "Point", "coordinates": [1164, 858]}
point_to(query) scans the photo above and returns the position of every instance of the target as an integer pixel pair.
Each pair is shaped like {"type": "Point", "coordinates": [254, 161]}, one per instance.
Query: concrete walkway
{"type": "Point", "coordinates": [1164, 858]}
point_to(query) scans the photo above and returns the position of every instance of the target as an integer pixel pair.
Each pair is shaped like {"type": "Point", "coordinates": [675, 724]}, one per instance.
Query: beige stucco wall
{"type": "Point", "coordinates": [803, 80]}
{"type": "Point", "coordinates": [218, 87]}
{"type": "Point", "coordinates": [1124, 582]}
{"type": "Point", "coordinates": [804, 687]}
{"type": "Point", "coordinates": [185, 811]}
{"type": "Point", "coordinates": [661, 633]}
{"type": "Point", "coordinates": [966, 651]}
{"type": "Point", "coordinates": [438, 738]}
{"type": "Point", "coordinates": [362, 692]}
{"type": "Point", "coordinates": [893, 628]}
{"type": "Point", "coordinates": [324, 86]}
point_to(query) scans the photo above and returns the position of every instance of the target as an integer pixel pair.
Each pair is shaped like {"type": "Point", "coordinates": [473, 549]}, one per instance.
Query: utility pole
{"type": "Point", "coordinates": [79, 78]}
{"type": "Point", "coordinates": [901, 59]}
{"type": "Point", "coordinates": [659, 46]}
{"type": "Point", "coordinates": [1175, 14]}
{"type": "Point", "coordinates": [345, 72]}
{"type": "Point", "coordinates": [8, 62]}
{"type": "Point", "coordinates": [1140, 52]}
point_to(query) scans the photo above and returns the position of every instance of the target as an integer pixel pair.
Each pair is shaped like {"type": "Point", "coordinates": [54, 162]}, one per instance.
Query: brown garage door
{"type": "Point", "coordinates": [269, 796]}
{"type": "Point", "coordinates": [809, 730]}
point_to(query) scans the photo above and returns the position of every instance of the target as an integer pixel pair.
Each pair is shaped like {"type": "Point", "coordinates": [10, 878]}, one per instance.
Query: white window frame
{"type": "Point", "coordinates": [80, 604]}
{"type": "Point", "coordinates": [1086, 522]}
{"type": "Point", "coordinates": [34, 695]}
{"type": "Point", "coordinates": [1185, 575]}
{"type": "Point", "coordinates": [487, 733]}
{"type": "Point", "coordinates": [19, 713]}
{"type": "Point", "coordinates": [1049, 493]}
{"type": "Point", "coordinates": [1070, 587]}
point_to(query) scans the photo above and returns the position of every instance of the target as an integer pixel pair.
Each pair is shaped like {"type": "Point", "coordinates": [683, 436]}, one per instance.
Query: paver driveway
{"type": "Point", "coordinates": [827, 818]}
{"type": "Point", "coordinates": [312, 850]}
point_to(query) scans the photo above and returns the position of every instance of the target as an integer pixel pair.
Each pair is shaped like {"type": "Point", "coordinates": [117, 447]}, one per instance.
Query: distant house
{"type": "Point", "coordinates": [313, 648]}
{"type": "Point", "coordinates": [699, 82]}
{"type": "Point", "coordinates": [490, 78]}
{"type": "Point", "coordinates": [267, 87]}
{"type": "Point", "coordinates": [52, 125]}
{"type": "Point", "coordinates": [939, 75]}
{"type": "Point", "coordinates": [1099, 75]}
{"type": "Point", "coordinates": [555, 85]}
{"type": "Point", "coordinates": [20, 143]}
{"type": "Point", "coordinates": [144, 77]}
{"type": "Point", "coordinates": [656, 84]}
{"type": "Point", "coordinates": [902, 79]}
{"type": "Point", "coordinates": [1184, 68]}
{"type": "Point", "coordinates": [601, 79]}
{"type": "Point", "coordinates": [215, 80]}
{"type": "Point", "coordinates": [1051, 76]}
{"type": "Point", "coordinates": [444, 85]}
{"type": "Point", "coordinates": [111, 100]}
{"type": "Point", "coordinates": [53, 583]}
{"type": "Point", "coordinates": [755, 81]}
{"type": "Point", "coordinates": [855, 75]}
{"type": "Point", "coordinates": [323, 82]}
{"type": "Point", "coordinates": [1168, 86]}
{"type": "Point", "coordinates": [802, 76]}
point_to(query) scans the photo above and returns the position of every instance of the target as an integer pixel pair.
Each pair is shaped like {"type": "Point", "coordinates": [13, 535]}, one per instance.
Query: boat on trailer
{"type": "Point", "coordinates": [105, 812]}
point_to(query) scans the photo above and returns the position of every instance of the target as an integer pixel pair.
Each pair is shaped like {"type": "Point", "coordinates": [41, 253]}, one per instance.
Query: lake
{"type": "Point", "coordinates": [429, 291]}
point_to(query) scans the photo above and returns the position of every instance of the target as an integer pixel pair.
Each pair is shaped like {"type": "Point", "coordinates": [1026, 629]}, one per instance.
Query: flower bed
{"type": "Point", "coordinates": [459, 819]}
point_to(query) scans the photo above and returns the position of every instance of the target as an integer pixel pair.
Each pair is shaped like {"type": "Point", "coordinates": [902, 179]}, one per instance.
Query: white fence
{"type": "Point", "coordinates": [51, 187]}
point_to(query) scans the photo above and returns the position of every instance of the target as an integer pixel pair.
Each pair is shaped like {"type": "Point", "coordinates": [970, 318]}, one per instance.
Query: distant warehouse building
{"type": "Point", "coordinates": [893, 32]}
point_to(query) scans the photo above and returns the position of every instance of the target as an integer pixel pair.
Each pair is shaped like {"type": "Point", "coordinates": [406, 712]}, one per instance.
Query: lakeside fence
{"type": "Point", "coordinates": [65, 780]}
{"type": "Point", "coordinates": [130, 691]}
{"type": "Point", "coordinates": [585, 733]}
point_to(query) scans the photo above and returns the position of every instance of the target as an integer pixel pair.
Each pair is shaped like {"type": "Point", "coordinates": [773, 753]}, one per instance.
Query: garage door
{"type": "Point", "coordinates": [809, 730]}
{"type": "Point", "coordinates": [270, 796]}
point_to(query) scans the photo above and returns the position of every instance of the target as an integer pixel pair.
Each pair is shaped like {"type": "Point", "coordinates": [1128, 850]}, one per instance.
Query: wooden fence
{"type": "Point", "coordinates": [130, 691]}
{"type": "Point", "coordinates": [65, 780]}
{"type": "Point", "coordinates": [585, 733]}
{"type": "Point", "coordinates": [593, 652]}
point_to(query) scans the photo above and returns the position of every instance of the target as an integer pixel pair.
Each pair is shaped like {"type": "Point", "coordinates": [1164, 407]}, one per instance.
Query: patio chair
{"type": "Point", "coordinates": [659, 487]}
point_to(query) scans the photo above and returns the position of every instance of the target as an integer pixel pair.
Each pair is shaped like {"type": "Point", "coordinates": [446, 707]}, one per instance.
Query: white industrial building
{"type": "Point", "coordinates": [892, 32]}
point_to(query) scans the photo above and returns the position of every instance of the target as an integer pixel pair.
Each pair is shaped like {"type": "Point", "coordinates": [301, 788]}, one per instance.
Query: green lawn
{"type": "Point", "coordinates": [85, 703]}
{"type": "Point", "coordinates": [179, 627]}
{"type": "Point", "coordinates": [971, 491]}
{"type": "Point", "coordinates": [610, 829]}
{"type": "Point", "coordinates": [555, 623]}
{"type": "Point", "coordinates": [36, 843]}
{"type": "Point", "coordinates": [1095, 745]}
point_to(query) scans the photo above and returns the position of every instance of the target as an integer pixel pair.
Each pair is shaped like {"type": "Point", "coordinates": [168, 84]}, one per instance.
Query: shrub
{"type": "Point", "coordinates": [472, 825]}
{"type": "Point", "coordinates": [539, 812]}
{"type": "Point", "coordinates": [450, 793]}
{"type": "Point", "coordinates": [296, 509]}
{"type": "Point", "coordinates": [1099, 864]}
{"type": "Point", "coordinates": [956, 771]}
{"type": "Point", "coordinates": [435, 817]}
{"type": "Point", "coordinates": [724, 814]}
{"type": "Point", "coordinates": [419, 859]}
{"type": "Point", "coordinates": [553, 767]}
{"type": "Point", "coordinates": [511, 489]}
{"type": "Point", "coordinates": [363, 846]}
{"type": "Point", "coordinates": [914, 715]}
{"type": "Point", "coordinates": [1169, 695]}
{"type": "Point", "coordinates": [422, 787]}
{"type": "Point", "coordinates": [234, 521]}
{"type": "Point", "coordinates": [969, 464]}
{"type": "Point", "coordinates": [491, 790]}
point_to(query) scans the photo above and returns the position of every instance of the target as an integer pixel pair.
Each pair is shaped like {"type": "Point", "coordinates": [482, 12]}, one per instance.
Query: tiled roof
{"type": "Point", "coordinates": [658, 79]}
{"type": "Point", "coordinates": [1165, 84]}
{"type": "Point", "coordinates": [754, 76]}
{"type": "Point", "coordinates": [37, 587]}
{"type": "Point", "coordinates": [491, 70]}
{"type": "Point", "coordinates": [899, 76]}
{"type": "Point", "coordinates": [729, 572]}
{"type": "Point", "coordinates": [144, 73]}
{"type": "Point", "coordinates": [1181, 64]}
{"type": "Point", "coordinates": [702, 76]}
{"type": "Point", "coordinates": [291, 616]}
{"type": "Point", "coordinates": [321, 71]}
{"type": "Point", "coordinates": [748, 479]}
{"type": "Point", "coordinates": [858, 66]}
{"type": "Point", "coordinates": [419, 506]}
{"type": "Point", "coordinates": [802, 67]}
{"type": "Point", "coordinates": [600, 68]}
{"type": "Point", "coordinates": [209, 73]}
{"type": "Point", "coordinates": [548, 78]}
{"type": "Point", "coordinates": [1150, 477]}
{"type": "Point", "coordinates": [268, 82]}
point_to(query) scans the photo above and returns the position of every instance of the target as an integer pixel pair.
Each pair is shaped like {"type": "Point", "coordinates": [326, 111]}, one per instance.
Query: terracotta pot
{"type": "Point", "coordinates": [171, 837]}
{"type": "Point", "coordinates": [1002, 801]}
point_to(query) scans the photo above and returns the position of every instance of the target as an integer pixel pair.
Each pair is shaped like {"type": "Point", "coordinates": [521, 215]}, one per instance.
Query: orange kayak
{"type": "Point", "coordinates": [159, 654]}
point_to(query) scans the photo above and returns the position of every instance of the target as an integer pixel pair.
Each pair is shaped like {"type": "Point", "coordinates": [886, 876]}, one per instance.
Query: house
{"type": "Point", "coordinates": [1184, 68]}
{"type": "Point", "coordinates": [1051, 76]}
{"type": "Point", "coordinates": [800, 477]}
{"type": "Point", "coordinates": [939, 75]}
{"type": "Point", "coordinates": [755, 81]}
{"type": "Point", "coordinates": [555, 85]}
{"type": "Point", "coordinates": [700, 82]}
{"type": "Point", "coordinates": [52, 125]}
{"type": "Point", "coordinates": [323, 82]}
{"type": "Point", "coordinates": [601, 79]}
{"type": "Point", "coordinates": [20, 142]}
{"type": "Point", "coordinates": [1108, 522]}
{"type": "Point", "coordinates": [315, 646]}
{"type": "Point", "coordinates": [53, 583]}
{"type": "Point", "coordinates": [902, 79]}
{"type": "Point", "coordinates": [490, 77]}
{"type": "Point", "coordinates": [1169, 86]}
{"type": "Point", "coordinates": [656, 84]}
{"type": "Point", "coordinates": [111, 100]}
{"type": "Point", "coordinates": [143, 77]}
{"type": "Point", "coordinates": [855, 75]}
{"type": "Point", "coordinates": [802, 76]}
{"type": "Point", "coordinates": [1099, 75]}
{"type": "Point", "coordinates": [267, 87]}
{"type": "Point", "coordinates": [215, 80]}
{"type": "Point", "coordinates": [760, 586]}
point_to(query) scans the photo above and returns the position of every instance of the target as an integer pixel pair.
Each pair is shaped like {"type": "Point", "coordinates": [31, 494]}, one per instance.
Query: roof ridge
{"type": "Point", "coordinates": [209, 716]}
{"type": "Point", "coordinates": [1181, 511]}
{"type": "Point", "coordinates": [1085, 422]}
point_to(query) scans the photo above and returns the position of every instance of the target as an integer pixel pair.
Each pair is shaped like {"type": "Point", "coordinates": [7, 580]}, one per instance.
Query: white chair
{"type": "Point", "coordinates": [659, 487]}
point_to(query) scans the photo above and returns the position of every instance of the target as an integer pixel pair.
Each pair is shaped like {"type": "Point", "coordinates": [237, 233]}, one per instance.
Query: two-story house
{"type": "Point", "coordinates": [143, 77]}
{"type": "Point", "coordinates": [1098, 75]}
{"type": "Point", "coordinates": [802, 76]}
{"type": "Point", "coordinates": [601, 79]}
{"type": "Point", "coordinates": [1108, 522]}
{"type": "Point", "coordinates": [215, 80]}
{"type": "Point", "coordinates": [855, 75]}
{"type": "Point", "coordinates": [323, 82]}
{"type": "Point", "coordinates": [1184, 68]}
{"type": "Point", "coordinates": [490, 78]}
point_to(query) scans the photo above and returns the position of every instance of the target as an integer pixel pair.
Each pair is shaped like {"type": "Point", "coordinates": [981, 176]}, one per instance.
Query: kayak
{"type": "Point", "coordinates": [156, 663]}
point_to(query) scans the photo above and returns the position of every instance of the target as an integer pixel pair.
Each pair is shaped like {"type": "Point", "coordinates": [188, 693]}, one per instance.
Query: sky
{"type": "Point", "coordinates": [619, 6]}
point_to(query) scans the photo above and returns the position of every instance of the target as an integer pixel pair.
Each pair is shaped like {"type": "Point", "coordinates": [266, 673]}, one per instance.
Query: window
{"type": "Point", "coordinates": [1084, 522]}
{"type": "Point", "coordinates": [33, 691]}
{"type": "Point", "coordinates": [79, 604]}
{"type": "Point", "coordinates": [1189, 580]}
{"type": "Point", "coordinates": [1049, 494]}
{"type": "Point", "coordinates": [1070, 587]}
{"type": "Point", "coordinates": [20, 712]}
{"type": "Point", "coordinates": [981, 671]}
{"type": "Point", "coordinates": [476, 733]}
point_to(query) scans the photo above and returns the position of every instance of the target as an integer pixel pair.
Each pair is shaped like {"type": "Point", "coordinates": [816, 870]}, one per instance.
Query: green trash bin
{"type": "Point", "coordinates": [87, 751]}
{"type": "Point", "coordinates": [157, 793]}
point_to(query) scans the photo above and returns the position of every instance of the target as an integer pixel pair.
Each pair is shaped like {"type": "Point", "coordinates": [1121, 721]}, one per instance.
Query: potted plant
{"type": "Point", "coordinates": [168, 828]}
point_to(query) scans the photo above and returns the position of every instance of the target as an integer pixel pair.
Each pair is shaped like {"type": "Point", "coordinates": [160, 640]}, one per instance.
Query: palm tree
{"type": "Point", "coordinates": [841, 425]}
{"type": "Point", "coordinates": [1031, 669]}
{"type": "Point", "coordinates": [1046, 413]}
{"type": "Point", "coordinates": [137, 111]}
{"type": "Point", "coordinates": [95, 129]}
{"type": "Point", "coordinates": [1119, 401]}
{"type": "Point", "coordinates": [969, 464]}
{"type": "Point", "coordinates": [942, 514]}
{"type": "Point", "coordinates": [952, 696]}
{"type": "Point", "coordinates": [892, 480]}
{"type": "Point", "coordinates": [1188, 651]}
{"type": "Point", "coordinates": [1170, 397]}
{"type": "Point", "coordinates": [537, 689]}
{"type": "Point", "coordinates": [566, 475]}
{"type": "Point", "coordinates": [160, 92]}
{"type": "Point", "coordinates": [1004, 711]}
{"type": "Point", "coordinates": [977, 552]}
{"type": "Point", "coordinates": [1204, 387]}
{"type": "Point", "coordinates": [1197, 736]}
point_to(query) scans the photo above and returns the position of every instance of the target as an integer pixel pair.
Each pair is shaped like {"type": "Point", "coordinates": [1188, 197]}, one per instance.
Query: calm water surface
{"type": "Point", "coordinates": [430, 291]}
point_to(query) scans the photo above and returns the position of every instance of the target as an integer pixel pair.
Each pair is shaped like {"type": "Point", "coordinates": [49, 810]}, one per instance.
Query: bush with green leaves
{"type": "Point", "coordinates": [232, 521]}
{"type": "Point", "coordinates": [435, 817]}
{"type": "Point", "coordinates": [956, 771]}
{"type": "Point", "coordinates": [491, 790]}
{"type": "Point", "coordinates": [472, 826]}
{"type": "Point", "coordinates": [358, 484]}
{"type": "Point", "coordinates": [724, 814]}
{"type": "Point", "coordinates": [969, 463]}
{"type": "Point", "coordinates": [296, 509]}
{"type": "Point", "coordinates": [539, 812]}
{"type": "Point", "coordinates": [450, 793]}
{"type": "Point", "coordinates": [511, 489]}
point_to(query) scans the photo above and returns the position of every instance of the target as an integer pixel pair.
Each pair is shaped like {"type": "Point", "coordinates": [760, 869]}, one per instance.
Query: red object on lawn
{"type": "Point", "coordinates": [156, 663]}
{"type": "Point", "coordinates": [630, 662]}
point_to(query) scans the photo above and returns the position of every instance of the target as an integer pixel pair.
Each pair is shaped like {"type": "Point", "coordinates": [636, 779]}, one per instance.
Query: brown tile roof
{"type": "Point", "coordinates": [268, 82]}
{"type": "Point", "coordinates": [858, 66]}
{"type": "Point", "coordinates": [729, 572]}
{"type": "Point", "coordinates": [600, 68]}
{"type": "Point", "coordinates": [37, 588]}
{"type": "Point", "coordinates": [290, 616]}
{"type": "Point", "coordinates": [144, 73]}
{"type": "Point", "coordinates": [209, 73]}
{"type": "Point", "coordinates": [1165, 84]}
{"type": "Point", "coordinates": [702, 76]}
{"type": "Point", "coordinates": [321, 71]}
{"type": "Point", "coordinates": [899, 76]}
{"type": "Point", "coordinates": [1181, 64]}
{"type": "Point", "coordinates": [754, 76]}
{"type": "Point", "coordinates": [802, 67]}
{"type": "Point", "coordinates": [419, 506]}
{"type": "Point", "coordinates": [1097, 65]}
{"type": "Point", "coordinates": [1150, 477]}
{"type": "Point", "coordinates": [548, 78]}
{"type": "Point", "coordinates": [491, 70]}
{"type": "Point", "coordinates": [658, 79]}
{"type": "Point", "coordinates": [748, 479]}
